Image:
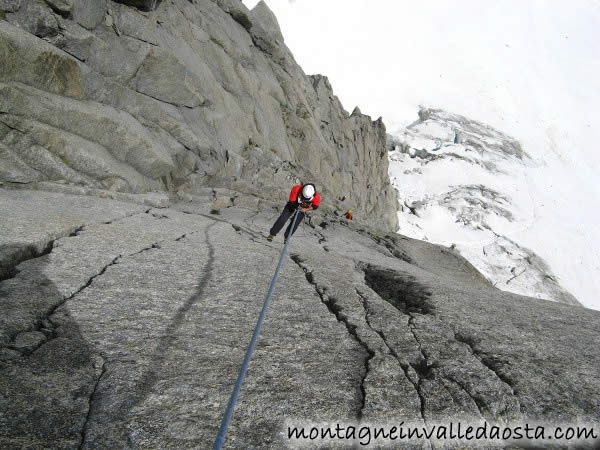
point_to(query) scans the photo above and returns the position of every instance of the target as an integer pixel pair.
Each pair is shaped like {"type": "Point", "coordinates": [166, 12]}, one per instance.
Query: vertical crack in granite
{"type": "Point", "coordinates": [403, 364]}
{"type": "Point", "coordinates": [488, 362]}
{"type": "Point", "coordinates": [423, 369]}
{"type": "Point", "coordinates": [92, 401]}
{"type": "Point", "coordinates": [255, 237]}
{"type": "Point", "coordinates": [389, 242]}
{"type": "Point", "coordinates": [127, 216]}
{"type": "Point", "coordinates": [321, 237]}
{"type": "Point", "coordinates": [92, 278]}
{"type": "Point", "coordinates": [335, 309]}
{"type": "Point", "coordinates": [239, 229]}
{"type": "Point", "coordinates": [410, 298]}
{"type": "Point", "coordinates": [478, 403]}
{"type": "Point", "coordinates": [19, 253]}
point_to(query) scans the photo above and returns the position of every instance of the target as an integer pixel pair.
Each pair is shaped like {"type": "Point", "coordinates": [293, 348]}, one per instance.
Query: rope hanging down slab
{"type": "Point", "coordinates": [240, 379]}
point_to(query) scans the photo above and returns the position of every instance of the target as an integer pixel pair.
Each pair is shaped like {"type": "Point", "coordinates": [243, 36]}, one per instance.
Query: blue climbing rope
{"type": "Point", "coordinates": [240, 379]}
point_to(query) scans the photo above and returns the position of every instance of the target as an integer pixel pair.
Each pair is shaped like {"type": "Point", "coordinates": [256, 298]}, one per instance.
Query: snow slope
{"type": "Point", "coordinates": [464, 184]}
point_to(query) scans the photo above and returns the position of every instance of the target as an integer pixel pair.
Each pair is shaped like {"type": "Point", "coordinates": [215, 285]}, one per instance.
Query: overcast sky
{"type": "Point", "coordinates": [529, 68]}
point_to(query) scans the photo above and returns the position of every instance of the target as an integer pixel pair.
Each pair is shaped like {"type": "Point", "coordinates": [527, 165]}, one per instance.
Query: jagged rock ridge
{"type": "Point", "coordinates": [143, 96]}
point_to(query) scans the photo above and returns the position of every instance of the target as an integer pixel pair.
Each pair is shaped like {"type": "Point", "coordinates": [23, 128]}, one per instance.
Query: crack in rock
{"type": "Point", "coordinates": [42, 323]}
{"type": "Point", "coordinates": [77, 231]}
{"type": "Point", "coordinates": [489, 362]}
{"type": "Point", "coordinates": [91, 403]}
{"type": "Point", "coordinates": [93, 395]}
{"type": "Point", "coordinates": [424, 367]}
{"type": "Point", "coordinates": [26, 252]}
{"type": "Point", "coordinates": [478, 403]}
{"type": "Point", "coordinates": [335, 309]}
{"type": "Point", "coordinates": [128, 401]}
{"type": "Point", "coordinates": [409, 297]}
{"type": "Point", "coordinates": [240, 230]}
{"type": "Point", "coordinates": [49, 314]}
{"type": "Point", "coordinates": [255, 237]}
{"type": "Point", "coordinates": [390, 243]}
{"type": "Point", "coordinates": [126, 216]}
{"type": "Point", "coordinates": [321, 236]}
{"type": "Point", "coordinates": [18, 254]}
{"type": "Point", "coordinates": [403, 364]}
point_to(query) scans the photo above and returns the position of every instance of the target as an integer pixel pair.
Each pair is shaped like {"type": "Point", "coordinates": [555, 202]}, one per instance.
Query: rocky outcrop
{"type": "Point", "coordinates": [129, 329]}
{"type": "Point", "coordinates": [140, 96]}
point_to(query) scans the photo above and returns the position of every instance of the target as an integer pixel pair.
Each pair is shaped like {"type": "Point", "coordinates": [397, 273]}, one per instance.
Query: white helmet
{"type": "Point", "coordinates": [308, 192]}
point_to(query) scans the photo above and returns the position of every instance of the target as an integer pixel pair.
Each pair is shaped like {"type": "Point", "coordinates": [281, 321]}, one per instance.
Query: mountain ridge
{"type": "Point", "coordinates": [464, 184]}
{"type": "Point", "coordinates": [244, 114]}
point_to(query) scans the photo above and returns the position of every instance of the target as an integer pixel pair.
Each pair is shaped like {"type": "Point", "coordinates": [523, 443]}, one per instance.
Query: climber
{"type": "Point", "coordinates": [304, 197]}
{"type": "Point", "coordinates": [348, 214]}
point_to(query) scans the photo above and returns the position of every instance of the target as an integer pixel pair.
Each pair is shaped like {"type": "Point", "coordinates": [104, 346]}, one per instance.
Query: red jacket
{"type": "Point", "coordinates": [296, 191]}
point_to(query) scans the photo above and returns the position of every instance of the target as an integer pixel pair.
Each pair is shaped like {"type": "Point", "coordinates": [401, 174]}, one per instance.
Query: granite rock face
{"type": "Point", "coordinates": [129, 329]}
{"type": "Point", "coordinates": [140, 96]}
{"type": "Point", "coordinates": [145, 149]}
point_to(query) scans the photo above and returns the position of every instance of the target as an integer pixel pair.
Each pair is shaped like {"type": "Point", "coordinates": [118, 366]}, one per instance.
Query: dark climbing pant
{"type": "Point", "coordinates": [288, 211]}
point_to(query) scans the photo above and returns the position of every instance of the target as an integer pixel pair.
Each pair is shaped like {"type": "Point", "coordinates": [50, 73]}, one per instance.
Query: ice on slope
{"type": "Point", "coordinates": [463, 184]}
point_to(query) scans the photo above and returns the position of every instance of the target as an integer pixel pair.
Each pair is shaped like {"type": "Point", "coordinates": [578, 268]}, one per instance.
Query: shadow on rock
{"type": "Point", "coordinates": [122, 394]}
{"type": "Point", "coordinates": [47, 374]}
{"type": "Point", "coordinates": [149, 379]}
{"type": "Point", "coordinates": [400, 289]}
